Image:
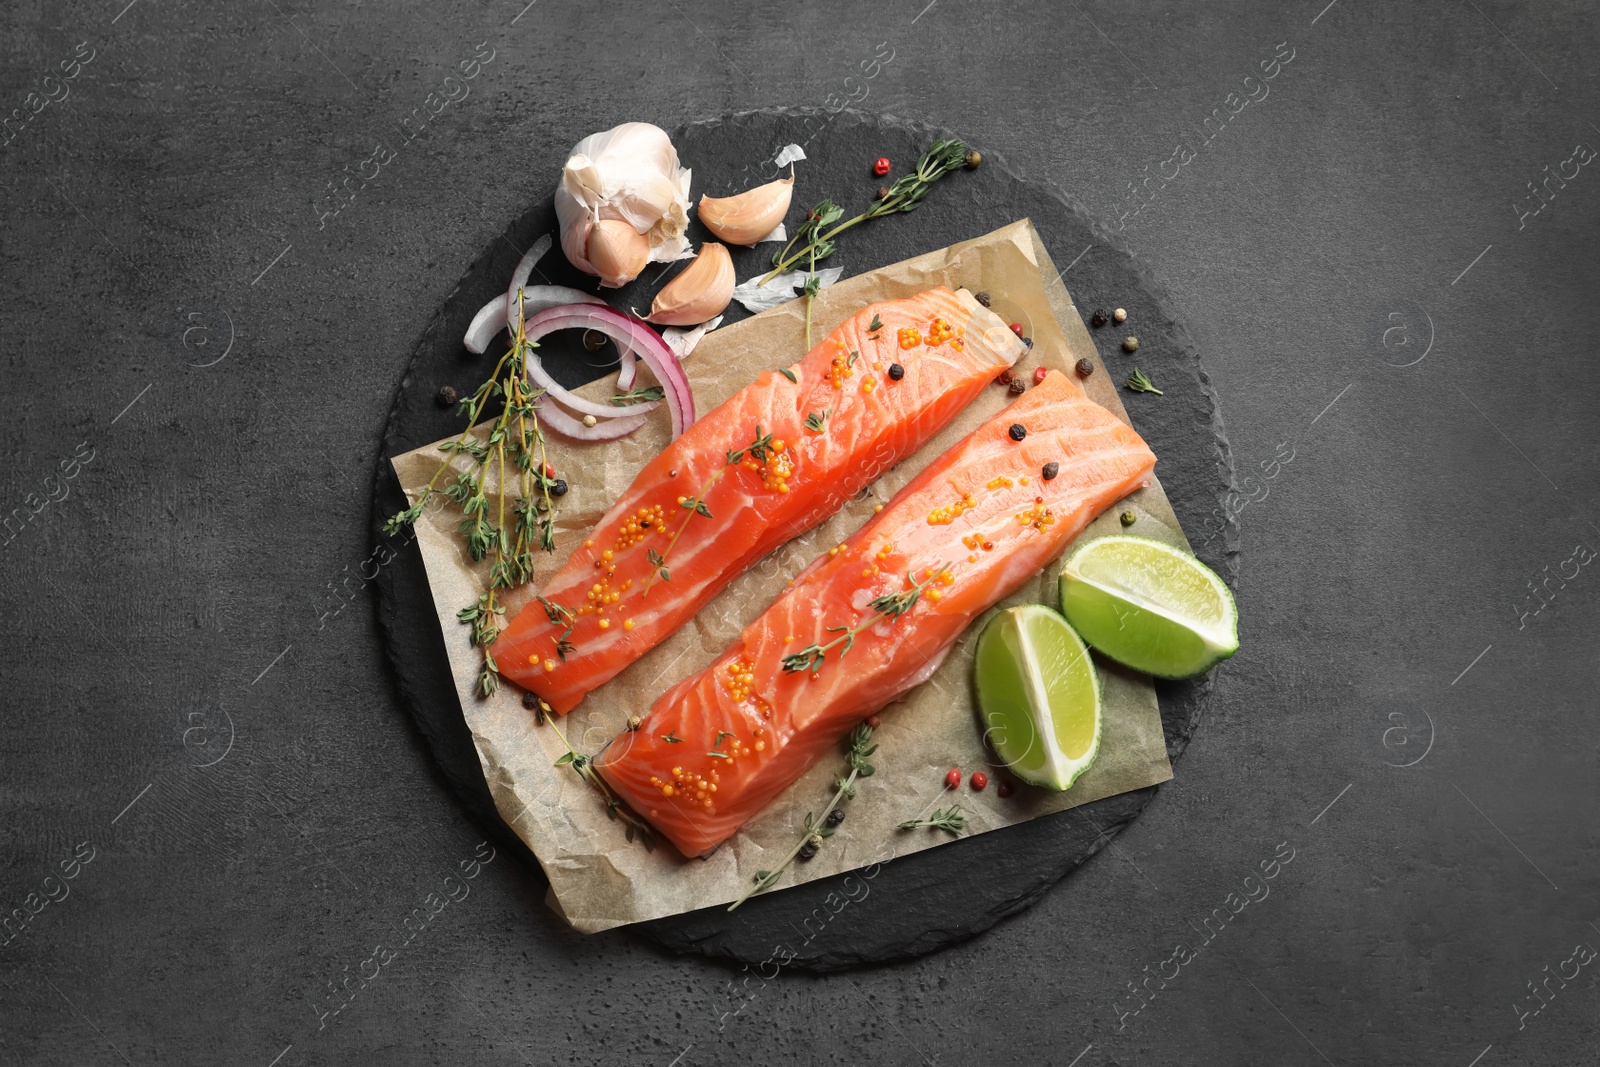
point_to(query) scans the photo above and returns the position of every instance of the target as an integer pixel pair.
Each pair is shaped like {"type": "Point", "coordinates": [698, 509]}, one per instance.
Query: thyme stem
{"type": "Point", "coordinates": [939, 160]}
{"type": "Point", "coordinates": [511, 559]}
{"type": "Point", "coordinates": [615, 808]}
{"type": "Point", "coordinates": [889, 606]}
{"type": "Point", "coordinates": [845, 789]}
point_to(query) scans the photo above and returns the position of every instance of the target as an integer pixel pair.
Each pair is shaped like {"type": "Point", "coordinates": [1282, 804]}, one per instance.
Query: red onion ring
{"type": "Point", "coordinates": [491, 318]}
{"type": "Point", "coordinates": [631, 334]}
{"type": "Point", "coordinates": [519, 279]}
{"type": "Point", "coordinates": [556, 391]}
{"type": "Point", "coordinates": [629, 368]}
{"type": "Point", "coordinates": [564, 424]}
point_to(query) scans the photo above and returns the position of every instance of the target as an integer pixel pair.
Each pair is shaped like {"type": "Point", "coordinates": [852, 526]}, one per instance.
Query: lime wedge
{"type": "Point", "coordinates": [1038, 696]}
{"type": "Point", "coordinates": [1149, 605]}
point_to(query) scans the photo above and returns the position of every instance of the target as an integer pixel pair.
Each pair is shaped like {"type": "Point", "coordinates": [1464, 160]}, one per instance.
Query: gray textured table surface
{"type": "Point", "coordinates": [200, 354]}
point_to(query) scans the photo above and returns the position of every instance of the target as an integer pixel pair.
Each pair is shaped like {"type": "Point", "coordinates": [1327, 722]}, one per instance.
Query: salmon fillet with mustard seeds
{"type": "Point", "coordinates": [775, 459]}
{"type": "Point", "coordinates": [871, 619]}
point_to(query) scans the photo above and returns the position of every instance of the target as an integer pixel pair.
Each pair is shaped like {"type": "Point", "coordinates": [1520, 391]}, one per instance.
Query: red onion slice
{"type": "Point", "coordinates": [631, 334]}
{"type": "Point", "coordinates": [629, 368]}
{"type": "Point", "coordinates": [555, 419]}
{"type": "Point", "coordinates": [519, 279]}
{"type": "Point", "coordinates": [556, 391]}
{"type": "Point", "coordinates": [491, 318]}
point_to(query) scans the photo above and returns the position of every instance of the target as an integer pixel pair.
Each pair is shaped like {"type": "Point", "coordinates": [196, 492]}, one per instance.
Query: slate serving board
{"type": "Point", "coordinates": [929, 899]}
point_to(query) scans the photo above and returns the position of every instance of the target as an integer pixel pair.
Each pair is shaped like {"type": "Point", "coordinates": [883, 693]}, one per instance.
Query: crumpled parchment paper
{"type": "Point", "coordinates": [599, 880]}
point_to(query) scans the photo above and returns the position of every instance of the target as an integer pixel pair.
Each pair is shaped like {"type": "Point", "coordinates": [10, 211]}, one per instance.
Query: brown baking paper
{"type": "Point", "coordinates": [599, 880]}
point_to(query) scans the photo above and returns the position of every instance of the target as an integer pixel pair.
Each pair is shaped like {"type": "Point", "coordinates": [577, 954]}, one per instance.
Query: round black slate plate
{"type": "Point", "coordinates": [936, 897]}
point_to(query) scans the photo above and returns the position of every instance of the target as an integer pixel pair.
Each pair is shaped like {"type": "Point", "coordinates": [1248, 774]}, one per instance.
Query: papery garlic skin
{"type": "Point", "coordinates": [700, 293]}
{"type": "Point", "coordinates": [628, 174]}
{"type": "Point", "coordinates": [748, 217]}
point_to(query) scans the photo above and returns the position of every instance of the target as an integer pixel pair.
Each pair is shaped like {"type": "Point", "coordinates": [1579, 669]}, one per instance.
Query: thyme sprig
{"type": "Point", "coordinates": [1139, 382]}
{"type": "Point", "coordinates": [639, 396]}
{"type": "Point", "coordinates": [818, 419]}
{"type": "Point", "coordinates": [816, 238]}
{"type": "Point", "coordinates": [515, 449]}
{"type": "Point", "coordinates": [658, 564]}
{"type": "Point", "coordinates": [950, 820]}
{"type": "Point", "coordinates": [857, 753]}
{"type": "Point", "coordinates": [694, 505]}
{"type": "Point", "coordinates": [889, 606]}
{"type": "Point", "coordinates": [760, 449]}
{"type": "Point", "coordinates": [813, 286]}
{"type": "Point", "coordinates": [634, 826]}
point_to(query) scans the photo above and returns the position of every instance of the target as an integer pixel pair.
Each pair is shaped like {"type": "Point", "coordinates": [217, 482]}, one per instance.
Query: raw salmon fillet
{"type": "Point", "coordinates": [761, 474]}
{"type": "Point", "coordinates": [966, 532]}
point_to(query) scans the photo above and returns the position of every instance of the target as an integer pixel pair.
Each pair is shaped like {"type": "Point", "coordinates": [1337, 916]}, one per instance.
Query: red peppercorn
{"type": "Point", "coordinates": [979, 781]}
{"type": "Point", "coordinates": [953, 779]}
{"type": "Point", "coordinates": [549, 471]}
{"type": "Point", "coordinates": [1016, 328]}
{"type": "Point", "coordinates": [881, 166]}
{"type": "Point", "coordinates": [1038, 375]}
{"type": "Point", "coordinates": [872, 722]}
{"type": "Point", "coordinates": [1004, 377]}
{"type": "Point", "coordinates": [1005, 787]}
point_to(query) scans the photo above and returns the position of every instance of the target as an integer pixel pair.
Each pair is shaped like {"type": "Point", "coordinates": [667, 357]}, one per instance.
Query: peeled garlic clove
{"type": "Point", "coordinates": [749, 216]}
{"type": "Point", "coordinates": [701, 292]}
{"type": "Point", "coordinates": [617, 251]}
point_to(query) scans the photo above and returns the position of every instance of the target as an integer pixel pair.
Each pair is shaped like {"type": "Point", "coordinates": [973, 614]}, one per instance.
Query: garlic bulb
{"type": "Point", "coordinates": [628, 176]}
{"type": "Point", "coordinates": [702, 291]}
{"type": "Point", "coordinates": [747, 217]}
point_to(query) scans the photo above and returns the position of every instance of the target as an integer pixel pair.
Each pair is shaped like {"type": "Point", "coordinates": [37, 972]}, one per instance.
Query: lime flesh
{"type": "Point", "coordinates": [1038, 696]}
{"type": "Point", "coordinates": [1149, 605]}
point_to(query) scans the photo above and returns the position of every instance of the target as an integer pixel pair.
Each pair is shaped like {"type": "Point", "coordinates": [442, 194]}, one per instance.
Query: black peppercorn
{"type": "Point", "coordinates": [807, 851]}
{"type": "Point", "coordinates": [883, 192]}
{"type": "Point", "coordinates": [836, 816]}
{"type": "Point", "coordinates": [594, 340]}
{"type": "Point", "coordinates": [446, 397]}
{"type": "Point", "coordinates": [982, 298]}
{"type": "Point", "coordinates": [1099, 318]}
{"type": "Point", "coordinates": [1084, 368]}
{"type": "Point", "coordinates": [1018, 431]}
{"type": "Point", "coordinates": [896, 371]}
{"type": "Point", "coordinates": [559, 488]}
{"type": "Point", "coordinates": [1018, 387]}
{"type": "Point", "coordinates": [1004, 377]}
{"type": "Point", "coordinates": [530, 700]}
{"type": "Point", "coordinates": [1051, 469]}
{"type": "Point", "coordinates": [1028, 342]}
